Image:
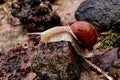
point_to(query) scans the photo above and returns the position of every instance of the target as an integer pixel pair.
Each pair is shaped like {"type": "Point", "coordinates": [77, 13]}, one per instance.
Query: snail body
{"type": "Point", "coordinates": [75, 33]}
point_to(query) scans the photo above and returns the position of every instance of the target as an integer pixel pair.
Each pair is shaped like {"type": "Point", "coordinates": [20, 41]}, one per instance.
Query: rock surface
{"type": "Point", "coordinates": [101, 13]}
{"type": "Point", "coordinates": [56, 61]}
{"type": "Point", "coordinates": [107, 59]}
{"type": "Point", "coordinates": [15, 64]}
{"type": "Point", "coordinates": [36, 15]}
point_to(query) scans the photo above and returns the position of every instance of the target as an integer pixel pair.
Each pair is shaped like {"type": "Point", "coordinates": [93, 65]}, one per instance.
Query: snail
{"type": "Point", "coordinates": [81, 34]}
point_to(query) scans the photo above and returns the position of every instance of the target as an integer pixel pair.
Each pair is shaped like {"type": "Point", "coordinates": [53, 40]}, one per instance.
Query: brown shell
{"type": "Point", "coordinates": [85, 32]}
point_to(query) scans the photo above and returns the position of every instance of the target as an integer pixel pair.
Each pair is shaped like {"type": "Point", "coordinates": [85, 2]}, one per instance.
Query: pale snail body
{"type": "Point", "coordinates": [63, 33]}
{"type": "Point", "coordinates": [54, 34]}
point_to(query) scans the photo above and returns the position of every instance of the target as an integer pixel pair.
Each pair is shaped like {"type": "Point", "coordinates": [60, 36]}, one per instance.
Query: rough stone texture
{"type": "Point", "coordinates": [35, 15]}
{"type": "Point", "coordinates": [15, 64]}
{"type": "Point", "coordinates": [61, 58]}
{"type": "Point", "coordinates": [56, 61]}
{"type": "Point", "coordinates": [101, 13]}
{"type": "Point", "coordinates": [107, 59]}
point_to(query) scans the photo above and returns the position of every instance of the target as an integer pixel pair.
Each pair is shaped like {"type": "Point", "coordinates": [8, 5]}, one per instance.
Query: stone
{"type": "Point", "coordinates": [103, 14]}
{"type": "Point", "coordinates": [56, 61]}
{"type": "Point", "coordinates": [107, 59]}
{"type": "Point", "coordinates": [35, 15]}
{"type": "Point", "coordinates": [15, 64]}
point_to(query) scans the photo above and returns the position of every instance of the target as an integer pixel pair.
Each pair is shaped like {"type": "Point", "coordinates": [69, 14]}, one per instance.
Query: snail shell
{"type": "Point", "coordinates": [85, 32]}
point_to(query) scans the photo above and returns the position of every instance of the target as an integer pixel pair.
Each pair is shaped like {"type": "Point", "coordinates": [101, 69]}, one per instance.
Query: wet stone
{"type": "Point", "coordinates": [101, 13]}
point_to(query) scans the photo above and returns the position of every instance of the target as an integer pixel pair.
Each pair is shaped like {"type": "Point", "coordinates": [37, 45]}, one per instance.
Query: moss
{"type": "Point", "coordinates": [110, 39]}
